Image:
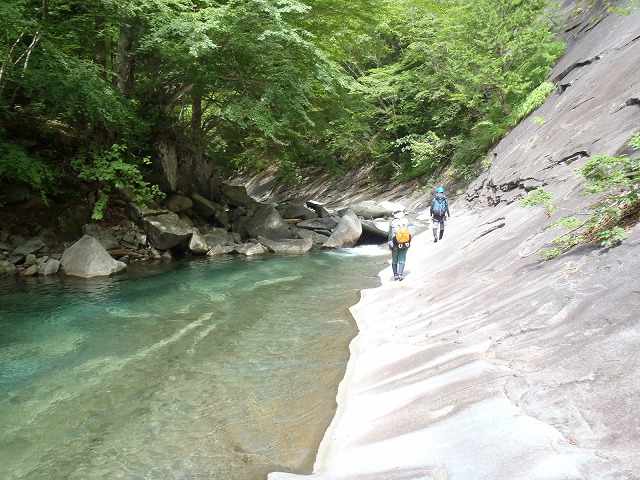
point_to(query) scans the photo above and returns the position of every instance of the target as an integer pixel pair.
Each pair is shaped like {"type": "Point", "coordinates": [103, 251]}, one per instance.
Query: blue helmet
{"type": "Point", "coordinates": [440, 190]}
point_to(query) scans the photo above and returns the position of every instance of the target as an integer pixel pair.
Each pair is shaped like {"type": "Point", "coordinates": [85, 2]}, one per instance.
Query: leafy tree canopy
{"type": "Point", "coordinates": [412, 84]}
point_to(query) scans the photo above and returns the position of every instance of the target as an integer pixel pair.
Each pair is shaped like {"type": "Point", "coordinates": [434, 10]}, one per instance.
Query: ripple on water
{"type": "Point", "coordinates": [208, 369]}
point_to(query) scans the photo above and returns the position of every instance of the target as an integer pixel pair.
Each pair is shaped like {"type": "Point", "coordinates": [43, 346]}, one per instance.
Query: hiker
{"type": "Point", "coordinates": [399, 242]}
{"type": "Point", "coordinates": [439, 213]}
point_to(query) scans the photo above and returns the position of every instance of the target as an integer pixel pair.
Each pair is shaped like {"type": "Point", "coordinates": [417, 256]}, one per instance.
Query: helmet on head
{"type": "Point", "coordinates": [440, 190]}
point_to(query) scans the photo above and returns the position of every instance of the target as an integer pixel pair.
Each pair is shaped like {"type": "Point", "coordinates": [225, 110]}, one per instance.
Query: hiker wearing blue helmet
{"type": "Point", "coordinates": [439, 213]}
{"type": "Point", "coordinates": [399, 242]}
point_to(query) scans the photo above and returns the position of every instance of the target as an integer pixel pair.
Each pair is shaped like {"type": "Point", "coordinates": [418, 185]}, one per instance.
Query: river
{"type": "Point", "coordinates": [221, 369]}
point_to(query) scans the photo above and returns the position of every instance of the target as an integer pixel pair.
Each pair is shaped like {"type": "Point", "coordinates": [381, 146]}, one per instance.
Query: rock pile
{"type": "Point", "coordinates": [230, 223]}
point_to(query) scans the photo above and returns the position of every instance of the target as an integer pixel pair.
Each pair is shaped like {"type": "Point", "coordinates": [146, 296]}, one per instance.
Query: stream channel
{"type": "Point", "coordinates": [221, 369]}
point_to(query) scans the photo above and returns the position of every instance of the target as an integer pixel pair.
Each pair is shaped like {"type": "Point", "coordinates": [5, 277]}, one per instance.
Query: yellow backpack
{"type": "Point", "coordinates": [402, 238]}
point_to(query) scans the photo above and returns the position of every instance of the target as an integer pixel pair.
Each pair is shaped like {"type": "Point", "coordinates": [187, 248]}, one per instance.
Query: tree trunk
{"type": "Point", "coordinates": [124, 59]}
{"type": "Point", "coordinates": [196, 114]}
{"type": "Point", "coordinates": [100, 46]}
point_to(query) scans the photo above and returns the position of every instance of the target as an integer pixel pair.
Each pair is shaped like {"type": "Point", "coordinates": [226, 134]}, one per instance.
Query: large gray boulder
{"type": "Point", "coordinates": [299, 245]}
{"type": "Point", "coordinates": [319, 208]}
{"type": "Point", "coordinates": [289, 210]}
{"type": "Point", "coordinates": [250, 249]}
{"type": "Point", "coordinates": [216, 236]}
{"type": "Point", "coordinates": [321, 225]}
{"type": "Point", "coordinates": [88, 258]}
{"type": "Point", "coordinates": [369, 210]}
{"type": "Point", "coordinates": [237, 196]}
{"type": "Point", "coordinates": [166, 230]}
{"type": "Point", "coordinates": [49, 267]}
{"type": "Point", "coordinates": [316, 238]}
{"type": "Point", "coordinates": [376, 229]}
{"type": "Point", "coordinates": [347, 233]}
{"type": "Point", "coordinates": [204, 207]}
{"type": "Point", "coordinates": [267, 222]}
{"type": "Point", "coordinates": [177, 203]}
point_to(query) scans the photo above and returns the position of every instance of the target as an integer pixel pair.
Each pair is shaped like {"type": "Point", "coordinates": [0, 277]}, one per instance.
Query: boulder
{"type": "Point", "coordinates": [250, 249]}
{"type": "Point", "coordinates": [267, 222]}
{"type": "Point", "coordinates": [198, 243]}
{"type": "Point", "coordinates": [31, 246]}
{"type": "Point", "coordinates": [369, 210]}
{"type": "Point", "coordinates": [219, 236]}
{"type": "Point", "coordinates": [347, 233]}
{"type": "Point", "coordinates": [204, 207]}
{"type": "Point", "coordinates": [7, 268]}
{"type": "Point", "coordinates": [88, 258]}
{"type": "Point", "coordinates": [289, 210]}
{"type": "Point", "coordinates": [166, 230]}
{"type": "Point", "coordinates": [104, 235]}
{"type": "Point", "coordinates": [316, 238]}
{"type": "Point", "coordinates": [237, 196]}
{"type": "Point", "coordinates": [319, 224]}
{"type": "Point", "coordinates": [318, 207]}
{"type": "Point", "coordinates": [299, 245]}
{"type": "Point", "coordinates": [217, 250]}
{"type": "Point", "coordinates": [375, 229]}
{"type": "Point", "coordinates": [29, 260]}
{"type": "Point", "coordinates": [177, 203]}
{"type": "Point", "coordinates": [30, 271]}
{"type": "Point", "coordinates": [49, 267]}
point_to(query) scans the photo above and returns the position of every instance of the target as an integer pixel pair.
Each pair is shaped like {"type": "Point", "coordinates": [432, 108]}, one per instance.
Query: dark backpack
{"type": "Point", "coordinates": [440, 204]}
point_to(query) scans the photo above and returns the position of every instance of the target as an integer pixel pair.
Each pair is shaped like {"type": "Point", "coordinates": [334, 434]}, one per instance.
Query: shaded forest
{"type": "Point", "coordinates": [89, 90]}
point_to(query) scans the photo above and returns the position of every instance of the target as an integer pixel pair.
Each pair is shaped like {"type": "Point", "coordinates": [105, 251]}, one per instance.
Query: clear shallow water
{"type": "Point", "coordinates": [220, 369]}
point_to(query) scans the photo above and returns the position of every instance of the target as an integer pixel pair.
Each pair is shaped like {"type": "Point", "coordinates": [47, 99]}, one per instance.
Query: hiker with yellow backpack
{"type": "Point", "coordinates": [399, 243]}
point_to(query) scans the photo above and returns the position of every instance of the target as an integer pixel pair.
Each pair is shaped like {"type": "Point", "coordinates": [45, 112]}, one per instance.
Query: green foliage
{"type": "Point", "coordinates": [611, 237]}
{"type": "Point", "coordinates": [539, 197]}
{"type": "Point", "coordinates": [570, 223]}
{"type": "Point", "coordinates": [412, 84]}
{"type": "Point", "coordinates": [616, 182]}
{"type": "Point", "coordinates": [536, 98]}
{"type": "Point", "coordinates": [551, 253]}
{"type": "Point", "coordinates": [462, 71]}
{"type": "Point", "coordinates": [19, 168]}
{"type": "Point", "coordinates": [114, 170]}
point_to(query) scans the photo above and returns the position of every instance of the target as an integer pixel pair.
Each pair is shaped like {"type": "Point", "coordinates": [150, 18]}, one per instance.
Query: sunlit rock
{"type": "Point", "coordinates": [347, 233]}
{"type": "Point", "coordinates": [198, 243]}
{"type": "Point", "coordinates": [88, 258]}
{"type": "Point", "coordinates": [301, 245]}
{"type": "Point", "coordinates": [166, 230]}
{"type": "Point", "coordinates": [267, 222]}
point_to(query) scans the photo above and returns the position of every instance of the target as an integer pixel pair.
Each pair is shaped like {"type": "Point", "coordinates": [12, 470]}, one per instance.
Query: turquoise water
{"type": "Point", "coordinates": [209, 369]}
